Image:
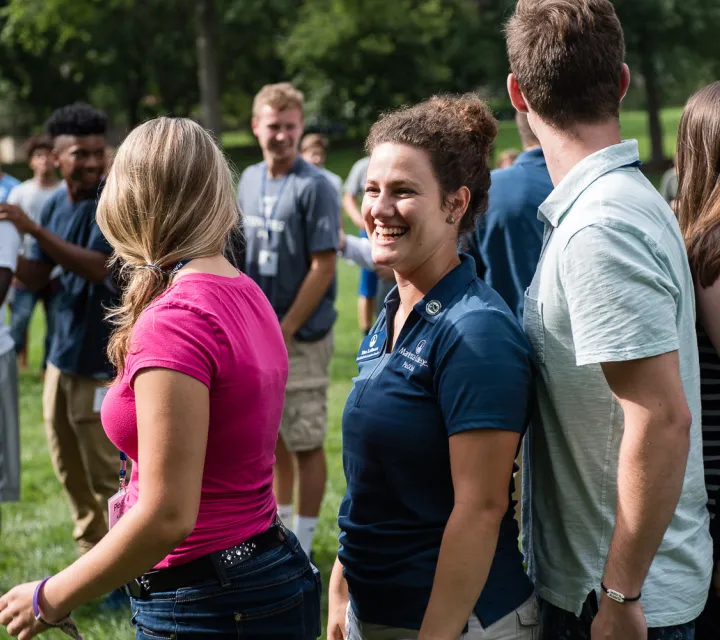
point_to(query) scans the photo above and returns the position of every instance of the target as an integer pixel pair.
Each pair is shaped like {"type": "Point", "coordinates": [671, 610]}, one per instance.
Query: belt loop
{"type": "Point", "coordinates": [219, 569]}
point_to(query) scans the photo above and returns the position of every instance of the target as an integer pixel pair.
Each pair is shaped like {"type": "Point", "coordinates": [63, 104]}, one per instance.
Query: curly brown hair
{"type": "Point", "coordinates": [457, 132]}
{"type": "Point", "coordinates": [36, 143]}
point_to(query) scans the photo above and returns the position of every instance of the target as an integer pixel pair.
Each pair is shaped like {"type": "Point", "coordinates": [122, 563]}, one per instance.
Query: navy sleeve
{"type": "Point", "coordinates": [96, 240]}
{"type": "Point", "coordinates": [322, 215]}
{"type": "Point", "coordinates": [34, 252]}
{"type": "Point", "coordinates": [484, 377]}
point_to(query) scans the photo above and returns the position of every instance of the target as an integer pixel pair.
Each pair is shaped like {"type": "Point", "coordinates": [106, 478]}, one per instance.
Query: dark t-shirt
{"type": "Point", "coordinates": [81, 335]}
{"type": "Point", "coordinates": [460, 363]}
{"type": "Point", "coordinates": [293, 217]}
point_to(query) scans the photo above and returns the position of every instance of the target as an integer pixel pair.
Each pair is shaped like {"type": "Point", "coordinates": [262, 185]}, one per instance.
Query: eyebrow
{"type": "Point", "coordinates": [397, 183]}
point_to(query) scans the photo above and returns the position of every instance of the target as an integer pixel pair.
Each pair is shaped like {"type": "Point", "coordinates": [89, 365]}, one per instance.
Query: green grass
{"type": "Point", "coordinates": [36, 535]}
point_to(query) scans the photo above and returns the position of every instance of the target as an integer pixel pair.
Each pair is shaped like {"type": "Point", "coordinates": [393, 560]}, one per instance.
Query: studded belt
{"type": "Point", "coordinates": [205, 568]}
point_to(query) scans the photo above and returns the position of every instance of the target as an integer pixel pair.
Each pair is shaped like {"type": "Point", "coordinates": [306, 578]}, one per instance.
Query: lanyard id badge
{"type": "Point", "coordinates": [267, 258]}
{"type": "Point", "coordinates": [116, 504]}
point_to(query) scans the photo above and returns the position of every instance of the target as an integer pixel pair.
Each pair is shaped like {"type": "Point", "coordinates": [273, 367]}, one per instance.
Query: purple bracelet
{"type": "Point", "coordinates": [36, 599]}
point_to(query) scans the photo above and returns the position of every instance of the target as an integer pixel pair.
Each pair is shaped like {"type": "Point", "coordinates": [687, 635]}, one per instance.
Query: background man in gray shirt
{"type": "Point", "coordinates": [617, 502]}
{"type": "Point", "coordinates": [291, 214]}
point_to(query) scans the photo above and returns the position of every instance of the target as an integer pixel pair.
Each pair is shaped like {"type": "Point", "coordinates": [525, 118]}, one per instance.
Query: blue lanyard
{"type": "Point", "coordinates": [263, 187]}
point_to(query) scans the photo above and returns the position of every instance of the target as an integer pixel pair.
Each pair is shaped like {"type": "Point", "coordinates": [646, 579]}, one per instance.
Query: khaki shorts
{"type": "Point", "coordinates": [304, 420]}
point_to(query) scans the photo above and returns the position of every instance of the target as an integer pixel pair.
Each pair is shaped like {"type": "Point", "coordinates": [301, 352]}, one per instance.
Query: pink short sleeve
{"type": "Point", "coordinates": [174, 336]}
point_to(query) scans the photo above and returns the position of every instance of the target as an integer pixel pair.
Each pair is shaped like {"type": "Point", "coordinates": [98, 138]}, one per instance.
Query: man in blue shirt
{"type": "Point", "coordinates": [510, 235]}
{"type": "Point", "coordinates": [7, 184]}
{"type": "Point", "coordinates": [85, 461]}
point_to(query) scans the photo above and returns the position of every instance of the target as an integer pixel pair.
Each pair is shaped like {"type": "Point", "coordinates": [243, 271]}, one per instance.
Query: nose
{"type": "Point", "coordinates": [383, 207]}
{"type": "Point", "coordinates": [93, 161]}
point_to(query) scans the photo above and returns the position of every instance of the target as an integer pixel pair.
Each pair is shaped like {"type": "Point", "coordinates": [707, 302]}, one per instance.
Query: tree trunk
{"type": "Point", "coordinates": [207, 65]}
{"type": "Point", "coordinates": [653, 106]}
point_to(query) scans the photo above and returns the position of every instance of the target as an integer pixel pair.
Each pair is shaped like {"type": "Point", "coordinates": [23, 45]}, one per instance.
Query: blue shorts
{"type": "Point", "coordinates": [368, 279]}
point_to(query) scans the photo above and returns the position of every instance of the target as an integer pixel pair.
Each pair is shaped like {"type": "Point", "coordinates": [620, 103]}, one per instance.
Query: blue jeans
{"type": "Point", "coordinates": [273, 595]}
{"type": "Point", "coordinates": [24, 302]}
{"type": "Point", "coordinates": [558, 624]}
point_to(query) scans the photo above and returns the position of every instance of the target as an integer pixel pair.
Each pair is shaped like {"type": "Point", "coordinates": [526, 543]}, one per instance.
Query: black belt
{"type": "Point", "coordinates": [204, 568]}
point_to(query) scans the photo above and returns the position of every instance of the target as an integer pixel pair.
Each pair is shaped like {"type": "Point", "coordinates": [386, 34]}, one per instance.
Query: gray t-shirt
{"type": "Point", "coordinates": [286, 220]}
{"type": "Point", "coordinates": [355, 183]}
{"type": "Point", "coordinates": [31, 198]}
{"type": "Point", "coordinates": [613, 284]}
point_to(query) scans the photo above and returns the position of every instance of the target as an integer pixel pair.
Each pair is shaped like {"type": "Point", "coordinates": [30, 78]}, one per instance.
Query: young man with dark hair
{"type": "Point", "coordinates": [31, 197]}
{"type": "Point", "coordinates": [291, 216]}
{"type": "Point", "coordinates": [617, 501]}
{"type": "Point", "coordinates": [67, 235]}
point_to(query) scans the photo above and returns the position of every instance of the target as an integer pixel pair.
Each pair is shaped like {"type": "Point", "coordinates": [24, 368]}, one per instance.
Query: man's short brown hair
{"type": "Point", "coordinates": [279, 96]}
{"type": "Point", "coordinates": [314, 141]}
{"type": "Point", "coordinates": [567, 57]}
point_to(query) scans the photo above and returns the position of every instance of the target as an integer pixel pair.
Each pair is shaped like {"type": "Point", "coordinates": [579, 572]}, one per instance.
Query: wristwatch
{"type": "Point", "coordinates": [617, 596]}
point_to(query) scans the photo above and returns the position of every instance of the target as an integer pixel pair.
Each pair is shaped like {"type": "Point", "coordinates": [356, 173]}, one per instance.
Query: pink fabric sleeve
{"type": "Point", "coordinates": [177, 337]}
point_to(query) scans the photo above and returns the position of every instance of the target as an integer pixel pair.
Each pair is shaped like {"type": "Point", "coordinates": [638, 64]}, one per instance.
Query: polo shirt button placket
{"type": "Point", "coordinates": [433, 307]}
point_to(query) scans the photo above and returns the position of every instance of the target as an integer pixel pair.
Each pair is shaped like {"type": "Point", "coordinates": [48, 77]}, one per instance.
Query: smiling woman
{"type": "Point", "coordinates": [432, 424]}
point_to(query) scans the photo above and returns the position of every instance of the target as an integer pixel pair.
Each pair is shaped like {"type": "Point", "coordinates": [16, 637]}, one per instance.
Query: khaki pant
{"type": "Point", "coordinates": [304, 419]}
{"type": "Point", "coordinates": [521, 624]}
{"type": "Point", "coordinates": [86, 462]}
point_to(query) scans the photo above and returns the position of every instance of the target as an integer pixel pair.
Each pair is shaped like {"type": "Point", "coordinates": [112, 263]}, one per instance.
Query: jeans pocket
{"type": "Point", "coordinates": [148, 629]}
{"type": "Point", "coordinates": [284, 619]}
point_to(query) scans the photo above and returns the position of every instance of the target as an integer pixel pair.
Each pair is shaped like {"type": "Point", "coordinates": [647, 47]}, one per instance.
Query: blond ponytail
{"type": "Point", "coordinates": [168, 197]}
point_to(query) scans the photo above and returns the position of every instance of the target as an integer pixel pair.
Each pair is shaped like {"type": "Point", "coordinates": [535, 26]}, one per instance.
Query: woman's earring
{"type": "Point", "coordinates": [450, 219]}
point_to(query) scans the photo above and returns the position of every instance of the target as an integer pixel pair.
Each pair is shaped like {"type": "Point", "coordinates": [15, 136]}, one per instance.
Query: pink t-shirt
{"type": "Point", "coordinates": [224, 333]}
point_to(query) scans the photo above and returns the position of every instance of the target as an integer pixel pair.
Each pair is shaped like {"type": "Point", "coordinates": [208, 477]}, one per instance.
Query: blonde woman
{"type": "Point", "coordinates": [196, 405]}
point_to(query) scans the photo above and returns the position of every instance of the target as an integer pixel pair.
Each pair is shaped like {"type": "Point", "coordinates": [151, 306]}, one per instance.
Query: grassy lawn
{"type": "Point", "coordinates": [36, 540]}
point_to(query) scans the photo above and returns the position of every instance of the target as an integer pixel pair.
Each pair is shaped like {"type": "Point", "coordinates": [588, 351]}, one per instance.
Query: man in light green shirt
{"type": "Point", "coordinates": [615, 503]}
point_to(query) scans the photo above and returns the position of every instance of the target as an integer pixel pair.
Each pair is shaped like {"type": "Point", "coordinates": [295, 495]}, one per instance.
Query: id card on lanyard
{"type": "Point", "coordinates": [268, 258]}
{"type": "Point", "coordinates": [116, 504]}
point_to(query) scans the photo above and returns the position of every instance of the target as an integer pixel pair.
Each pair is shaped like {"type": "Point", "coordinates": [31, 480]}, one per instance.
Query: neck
{"type": "Point", "coordinates": [278, 168]}
{"type": "Point", "coordinates": [45, 181]}
{"type": "Point", "coordinates": [414, 287]}
{"type": "Point", "coordinates": [564, 149]}
{"type": "Point", "coordinates": [77, 194]}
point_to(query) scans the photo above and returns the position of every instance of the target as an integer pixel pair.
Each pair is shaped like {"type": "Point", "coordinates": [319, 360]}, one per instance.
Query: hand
{"type": "Point", "coordinates": [16, 612]}
{"type": "Point", "coordinates": [17, 216]}
{"type": "Point", "coordinates": [337, 613]}
{"type": "Point", "coordinates": [616, 621]}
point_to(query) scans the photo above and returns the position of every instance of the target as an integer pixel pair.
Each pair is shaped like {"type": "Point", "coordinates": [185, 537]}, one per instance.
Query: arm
{"type": "Point", "coordinates": [357, 250]}
{"type": "Point", "coordinates": [88, 263]}
{"type": "Point", "coordinates": [351, 206]}
{"type": "Point", "coordinates": [338, 600]}
{"type": "Point", "coordinates": [481, 463]}
{"type": "Point", "coordinates": [312, 290]}
{"type": "Point", "coordinates": [651, 469]}
{"type": "Point", "coordinates": [173, 416]}
{"type": "Point", "coordinates": [34, 274]}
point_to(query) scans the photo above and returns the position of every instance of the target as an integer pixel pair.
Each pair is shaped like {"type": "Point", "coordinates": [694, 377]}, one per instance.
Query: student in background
{"type": "Point", "coordinates": [314, 149]}
{"type": "Point", "coordinates": [507, 158]}
{"type": "Point", "coordinates": [78, 369]}
{"type": "Point", "coordinates": [291, 217]}
{"type": "Point", "coordinates": [698, 210]}
{"type": "Point", "coordinates": [32, 196]}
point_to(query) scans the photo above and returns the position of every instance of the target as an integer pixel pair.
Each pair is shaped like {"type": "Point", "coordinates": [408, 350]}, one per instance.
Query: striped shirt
{"type": "Point", "coordinates": [710, 388]}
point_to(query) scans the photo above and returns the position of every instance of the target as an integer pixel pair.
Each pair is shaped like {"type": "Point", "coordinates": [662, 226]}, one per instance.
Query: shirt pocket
{"type": "Point", "coordinates": [533, 326]}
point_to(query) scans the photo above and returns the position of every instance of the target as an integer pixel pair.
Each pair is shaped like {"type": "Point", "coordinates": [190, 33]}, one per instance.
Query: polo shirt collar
{"type": "Point", "coordinates": [582, 175]}
{"type": "Point", "coordinates": [527, 157]}
{"type": "Point", "coordinates": [433, 306]}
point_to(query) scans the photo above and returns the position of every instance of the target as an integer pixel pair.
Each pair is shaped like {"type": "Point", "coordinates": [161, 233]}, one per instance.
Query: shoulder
{"type": "Point", "coordinates": [250, 173]}
{"type": "Point", "coordinates": [480, 315]}
{"type": "Point", "coordinates": [10, 181]}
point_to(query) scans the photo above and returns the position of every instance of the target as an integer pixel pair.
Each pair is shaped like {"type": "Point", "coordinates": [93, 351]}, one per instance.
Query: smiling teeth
{"type": "Point", "coordinates": [391, 231]}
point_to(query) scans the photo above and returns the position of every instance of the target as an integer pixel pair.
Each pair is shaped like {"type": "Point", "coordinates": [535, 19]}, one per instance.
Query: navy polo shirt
{"type": "Point", "coordinates": [81, 335]}
{"type": "Point", "coordinates": [461, 362]}
{"type": "Point", "coordinates": [509, 236]}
